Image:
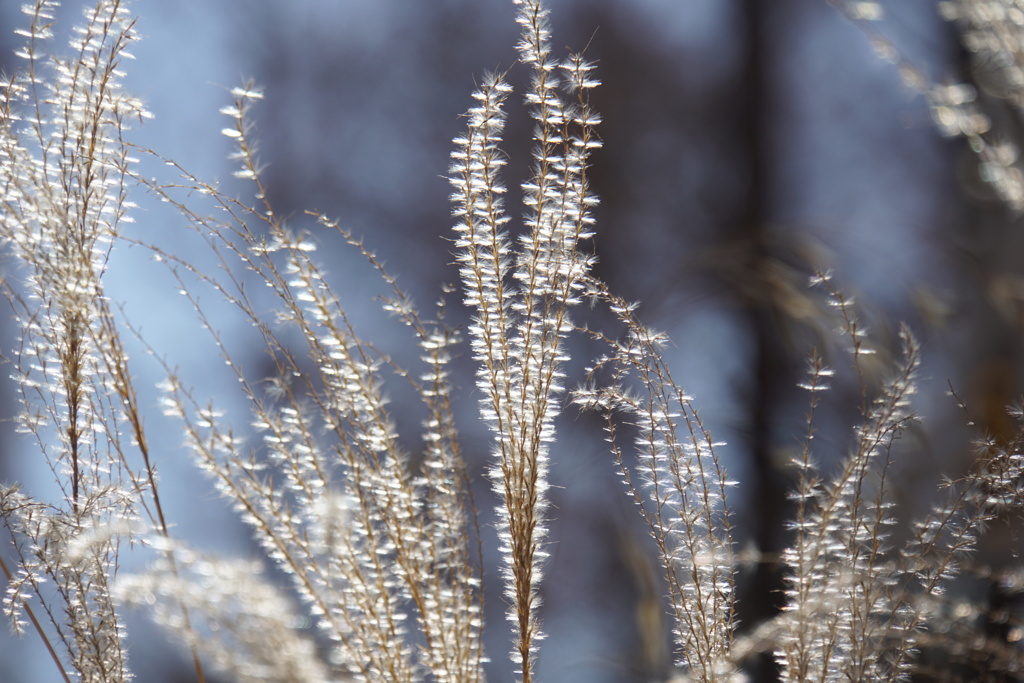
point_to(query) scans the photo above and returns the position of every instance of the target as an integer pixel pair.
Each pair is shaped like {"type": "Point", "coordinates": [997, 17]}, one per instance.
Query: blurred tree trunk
{"type": "Point", "coordinates": [760, 590]}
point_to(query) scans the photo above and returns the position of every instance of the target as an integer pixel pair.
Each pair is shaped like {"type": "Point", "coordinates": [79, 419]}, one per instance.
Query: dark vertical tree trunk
{"type": "Point", "coordinates": [760, 596]}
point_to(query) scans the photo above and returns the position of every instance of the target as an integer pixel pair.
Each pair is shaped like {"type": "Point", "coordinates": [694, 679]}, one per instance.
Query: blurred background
{"type": "Point", "coordinates": [747, 144]}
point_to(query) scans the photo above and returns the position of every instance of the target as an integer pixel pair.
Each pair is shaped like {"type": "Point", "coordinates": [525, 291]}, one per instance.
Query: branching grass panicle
{"type": "Point", "coordinates": [375, 542]}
